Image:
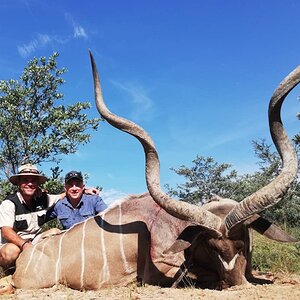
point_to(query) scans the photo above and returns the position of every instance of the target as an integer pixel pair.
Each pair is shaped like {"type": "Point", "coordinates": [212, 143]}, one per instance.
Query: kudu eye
{"type": "Point", "coordinates": [239, 245]}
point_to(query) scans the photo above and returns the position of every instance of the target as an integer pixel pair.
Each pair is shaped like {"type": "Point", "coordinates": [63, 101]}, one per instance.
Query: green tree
{"type": "Point", "coordinates": [287, 211]}
{"type": "Point", "coordinates": [269, 167]}
{"type": "Point", "coordinates": [55, 183]}
{"type": "Point", "coordinates": [205, 178]}
{"type": "Point", "coordinates": [34, 125]}
{"type": "Point", "coordinates": [297, 136]}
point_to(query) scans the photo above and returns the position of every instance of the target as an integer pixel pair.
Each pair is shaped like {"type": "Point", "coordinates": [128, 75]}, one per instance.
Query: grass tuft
{"type": "Point", "coordinates": [275, 256]}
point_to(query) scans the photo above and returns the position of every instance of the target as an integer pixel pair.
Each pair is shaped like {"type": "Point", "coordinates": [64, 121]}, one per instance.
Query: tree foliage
{"type": "Point", "coordinates": [297, 136]}
{"type": "Point", "coordinates": [207, 177]}
{"type": "Point", "coordinates": [55, 183]}
{"type": "Point", "coordinates": [34, 124]}
{"type": "Point", "coordinates": [287, 211]}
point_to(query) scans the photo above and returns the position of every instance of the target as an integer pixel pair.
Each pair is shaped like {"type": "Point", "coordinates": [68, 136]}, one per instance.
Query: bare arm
{"type": "Point", "coordinates": [7, 217]}
{"type": "Point", "coordinates": [12, 237]}
{"type": "Point", "coordinates": [91, 191]}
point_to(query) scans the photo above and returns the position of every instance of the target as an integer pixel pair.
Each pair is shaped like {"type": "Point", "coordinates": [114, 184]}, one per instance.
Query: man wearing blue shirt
{"type": "Point", "coordinates": [76, 206]}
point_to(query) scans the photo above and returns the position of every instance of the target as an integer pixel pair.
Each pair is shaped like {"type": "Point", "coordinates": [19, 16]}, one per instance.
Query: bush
{"type": "Point", "coordinates": [274, 256]}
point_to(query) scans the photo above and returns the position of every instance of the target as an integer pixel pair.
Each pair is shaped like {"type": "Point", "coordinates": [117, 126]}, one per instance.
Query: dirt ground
{"type": "Point", "coordinates": [283, 287]}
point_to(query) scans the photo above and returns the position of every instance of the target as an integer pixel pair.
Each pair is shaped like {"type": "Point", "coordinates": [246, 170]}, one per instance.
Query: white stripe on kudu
{"type": "Point", "coordinates": [104, 273]}
{"type": "Point", "coordinates": [82, 255]}
{"type": "Point", "coordinates": [30, 259]}
{"type": "Point", "coordinates": [121, 237]}
{"type": "Point", "coordinates": [58, 261]}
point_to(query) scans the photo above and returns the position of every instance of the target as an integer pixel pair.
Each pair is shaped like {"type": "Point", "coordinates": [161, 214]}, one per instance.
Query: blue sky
{"type": "Point", "coordinates": [197, 75]}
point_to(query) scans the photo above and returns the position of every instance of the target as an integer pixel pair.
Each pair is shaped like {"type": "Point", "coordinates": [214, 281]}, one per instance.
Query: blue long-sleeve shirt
{"type": "Point", "coordinates": [89, 206]}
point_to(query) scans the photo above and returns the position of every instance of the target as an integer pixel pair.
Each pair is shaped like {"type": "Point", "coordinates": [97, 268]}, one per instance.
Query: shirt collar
{"type": "Point", "coordinates": [21, 197]}
{"type": "Point", "coordinates": [66, 202]}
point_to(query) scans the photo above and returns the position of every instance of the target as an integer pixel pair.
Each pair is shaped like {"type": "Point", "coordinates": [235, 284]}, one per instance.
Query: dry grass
{"type": "Point", "coordinates": [284, 287]}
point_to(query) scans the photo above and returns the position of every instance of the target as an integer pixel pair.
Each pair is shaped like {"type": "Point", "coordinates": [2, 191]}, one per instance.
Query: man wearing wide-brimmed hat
{"type": "Point", "coordinates": [23, 213]}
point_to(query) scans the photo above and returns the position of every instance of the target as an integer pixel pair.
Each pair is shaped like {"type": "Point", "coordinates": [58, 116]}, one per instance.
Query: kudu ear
{"type": "Point", "coordinates": [269, 229]}
{"type": "Point", "coordinates": [178, 246]}
{"type": "Point", "coordinates": [187, 237]}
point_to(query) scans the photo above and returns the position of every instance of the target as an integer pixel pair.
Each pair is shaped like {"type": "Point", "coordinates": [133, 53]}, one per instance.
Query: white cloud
{"type": "Point", "coordinates": [41, 40]}
{"type": "Point", "coordinates": [112, 195]}
{"type": "Point", "coordinates": [78, 30]}
{"type": "Point", "coordinates": [44, 39]}
{"type": "Point", "coordinates": [225, 138]}
{"type": "Point", "coordinates": [25, 50]}
{"type": "Point", "coordinates": [142, 103]}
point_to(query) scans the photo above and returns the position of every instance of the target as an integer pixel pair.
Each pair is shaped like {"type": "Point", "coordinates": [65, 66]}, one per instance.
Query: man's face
{"type": "Point", "coordinates": [28, 185]}
{"type": "Point", "coordinates": [74, 189]}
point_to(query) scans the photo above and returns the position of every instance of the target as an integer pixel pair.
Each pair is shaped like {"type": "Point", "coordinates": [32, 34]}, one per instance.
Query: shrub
{"type": "Point", "coordinates": [276, 256]}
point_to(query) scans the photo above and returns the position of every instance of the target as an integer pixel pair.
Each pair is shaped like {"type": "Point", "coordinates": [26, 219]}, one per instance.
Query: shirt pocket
{"type": "Point", "coordinates": [21, 222]}
{"type": "Point", "coordinates": [64, 217]}
{"type": "Point", "coordinates": [65, 220]}
{"type": "Point", "coordinates": [86, 213]}
{"type": "Point", "coordinates": [41, 217]}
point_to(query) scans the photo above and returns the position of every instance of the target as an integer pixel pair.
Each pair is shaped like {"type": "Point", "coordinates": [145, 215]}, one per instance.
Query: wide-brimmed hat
{"type": "Point", "coordinates": [27, 170]}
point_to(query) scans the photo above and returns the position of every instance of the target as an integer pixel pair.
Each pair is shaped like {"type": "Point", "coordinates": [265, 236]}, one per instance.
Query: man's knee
{"type": "Point", "coordinates": [9, 253]}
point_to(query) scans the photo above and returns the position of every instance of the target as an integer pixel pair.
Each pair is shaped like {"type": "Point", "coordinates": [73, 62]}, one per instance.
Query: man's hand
{"type": "Point", "coordinates": [91, 191]}
{"type": "Point", "coordinates": [12, 237]}
{"type": "Point", "coordinates": [62, 195]}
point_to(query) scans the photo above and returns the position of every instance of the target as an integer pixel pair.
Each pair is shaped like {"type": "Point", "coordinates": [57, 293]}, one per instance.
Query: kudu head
{"type": "Point", "coordinates": [223, 236]}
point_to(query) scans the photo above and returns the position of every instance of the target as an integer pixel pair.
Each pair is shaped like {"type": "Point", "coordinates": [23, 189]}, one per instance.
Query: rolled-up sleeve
{"type": "Point", "coordinates": [100, 204]}
{"type": "Point", "coordinates": [52, 199]}
{"type": "Point", "coordinates": [7, 213]}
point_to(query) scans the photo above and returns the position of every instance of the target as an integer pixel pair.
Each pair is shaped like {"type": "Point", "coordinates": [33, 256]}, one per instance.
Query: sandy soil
{"type": "Point", "coordinates": [283, 287]}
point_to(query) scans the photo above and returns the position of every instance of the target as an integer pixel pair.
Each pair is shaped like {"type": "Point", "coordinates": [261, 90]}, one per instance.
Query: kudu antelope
{"type": "Point", "coordinates": [154, 239]}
